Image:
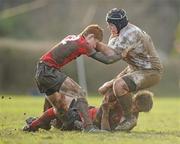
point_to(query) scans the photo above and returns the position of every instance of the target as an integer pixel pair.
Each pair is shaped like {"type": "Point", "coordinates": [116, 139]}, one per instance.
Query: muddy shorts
{"type": "Point", "coordinates": [48, 79]}
{"type": "Point", "coordinates": [142, 79]}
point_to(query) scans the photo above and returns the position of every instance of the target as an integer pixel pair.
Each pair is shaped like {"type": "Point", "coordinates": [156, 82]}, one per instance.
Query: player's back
{"type": "Point", "coordinates": [65, 51]}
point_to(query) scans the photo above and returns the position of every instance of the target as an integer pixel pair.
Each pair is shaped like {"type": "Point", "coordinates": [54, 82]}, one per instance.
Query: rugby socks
{"type": "Point", "coordinates": [126, 103]}
{"type": "Point", "coordinates": [45, 119]}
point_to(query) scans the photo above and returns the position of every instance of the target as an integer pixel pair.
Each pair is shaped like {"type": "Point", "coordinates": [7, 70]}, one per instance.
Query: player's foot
{"type": "Point", "coordinates": [30, 120]}
{"type": "Point", "coordinates": [28, 128]}
{"type": "Point", "coordinates": [127, 124]}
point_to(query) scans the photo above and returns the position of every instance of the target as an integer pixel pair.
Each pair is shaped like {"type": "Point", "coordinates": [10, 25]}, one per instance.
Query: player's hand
{"type": "Point", "coordinates": [105, 87]}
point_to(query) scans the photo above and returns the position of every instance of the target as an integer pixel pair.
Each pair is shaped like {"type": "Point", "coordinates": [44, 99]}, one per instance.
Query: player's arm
{"type": "Point", "coordinates": [105, 54]}
{"type": "Point", "coordinates": [105, 117]}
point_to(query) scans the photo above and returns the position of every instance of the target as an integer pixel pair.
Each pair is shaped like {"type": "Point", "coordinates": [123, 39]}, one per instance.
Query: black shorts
{"type": "Point", "coordinates": [48, 79]}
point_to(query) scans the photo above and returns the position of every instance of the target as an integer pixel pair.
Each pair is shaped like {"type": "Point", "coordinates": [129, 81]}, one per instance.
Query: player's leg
{"type": "Point", "coordinates": [108, 97]}
{"type": "Point", "coordinates": [123, 93]}
{"type": "Point", "coordinates": [58, 101]}
{"type": "Point", "coordinates": [58, 111]}
{"type": "Point", "coordinates": [47, 105]}
{"type": "Point", "coordinates": [71, 88]}
{"type": "Point", "coordinates": [132, 82]}
{"type": "Point", "coordinates": [41, 122]}
{"type": "Point", "coordinates": [107, 88]}
{"type": "Point", "coordinates": [44, 120]}
{"type": "Point", "coordinates": [49, 81]}
{"type": "Point", "coordinates": [122, 88]}
{"type": "Point", "coordinates": [107, 91]}
{"type": "Point", "coordinates": [117, 88]}
{"type": "Point", "coordinates": [146, 79]}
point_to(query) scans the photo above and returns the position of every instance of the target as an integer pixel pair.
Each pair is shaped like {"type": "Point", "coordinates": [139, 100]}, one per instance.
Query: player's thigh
{"type": "Point", "coordinates": [55, 99]}
{"type": "Point", "coordinates": [72, 89]}
{"type": "Point", "coordinates": [142, 79]}
{"type": "Point", "coordinates": [108, 85]}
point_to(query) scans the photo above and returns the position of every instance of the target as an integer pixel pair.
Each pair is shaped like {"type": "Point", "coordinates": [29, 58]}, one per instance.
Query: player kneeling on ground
{"type": "Point", "coordinates": [111, 114]}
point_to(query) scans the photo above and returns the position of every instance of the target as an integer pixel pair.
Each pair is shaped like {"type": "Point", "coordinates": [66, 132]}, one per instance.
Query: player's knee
{"type": "Point", "coordinates": [102, 90]}
{"type": "Point", "coordinates": [120, 87]}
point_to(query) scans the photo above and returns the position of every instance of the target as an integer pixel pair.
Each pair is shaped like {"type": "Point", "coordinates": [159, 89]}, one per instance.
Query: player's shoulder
{"type": "Point", "coordinates": [130, 34]}
{"type": "Point", "coordinates": [130, 31]}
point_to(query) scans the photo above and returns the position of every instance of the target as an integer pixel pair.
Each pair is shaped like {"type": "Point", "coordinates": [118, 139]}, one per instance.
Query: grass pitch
{"type": "Point", "coordinates": [160, 126]}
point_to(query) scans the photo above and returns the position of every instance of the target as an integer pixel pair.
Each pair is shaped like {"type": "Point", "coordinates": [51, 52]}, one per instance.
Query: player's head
{"type": "Point", "coordinates": [118, 18]}
{"type": "Point", "coordinates": [143, 101]}
{"type": "Point", "coordinates": [94, 29]}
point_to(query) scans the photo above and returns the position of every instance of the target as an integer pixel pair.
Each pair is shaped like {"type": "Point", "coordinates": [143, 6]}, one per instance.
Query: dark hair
{"type": "Point", "coordinates": [93, 29]}
{"type": "Point", "coordinates": [117, 17]}
{"type": "Point", "coordinates": [144, 100]}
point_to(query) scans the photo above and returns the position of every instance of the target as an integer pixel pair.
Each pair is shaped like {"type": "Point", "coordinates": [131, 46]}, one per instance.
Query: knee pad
{"type": "Point", "coordinates": [130, 83]}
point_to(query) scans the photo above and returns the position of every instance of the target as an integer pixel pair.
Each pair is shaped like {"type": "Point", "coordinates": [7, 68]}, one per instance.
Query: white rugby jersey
{"type": "Point", "coordinates": [136, 48]}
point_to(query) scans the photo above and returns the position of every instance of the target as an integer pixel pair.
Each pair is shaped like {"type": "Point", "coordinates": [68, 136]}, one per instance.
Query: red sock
{"type": "Point", "coordinates": [47, 116]}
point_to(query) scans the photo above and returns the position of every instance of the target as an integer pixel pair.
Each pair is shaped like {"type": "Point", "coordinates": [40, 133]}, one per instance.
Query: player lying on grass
{"type": "Point", "coordinates": [107, 117]}
{"type": "Point", "coordinates": [110, 112]}
{"type": "Point", "coordinates": [51, 80]}
{"type": "Point", "coordinates": [144, 69]}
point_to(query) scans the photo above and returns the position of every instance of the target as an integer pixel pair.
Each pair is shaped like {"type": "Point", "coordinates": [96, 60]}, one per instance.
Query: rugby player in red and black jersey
{"type": "Point", "coordinates": [106, 117]}
{"type": "Point", "coordinates": [52, 81]}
